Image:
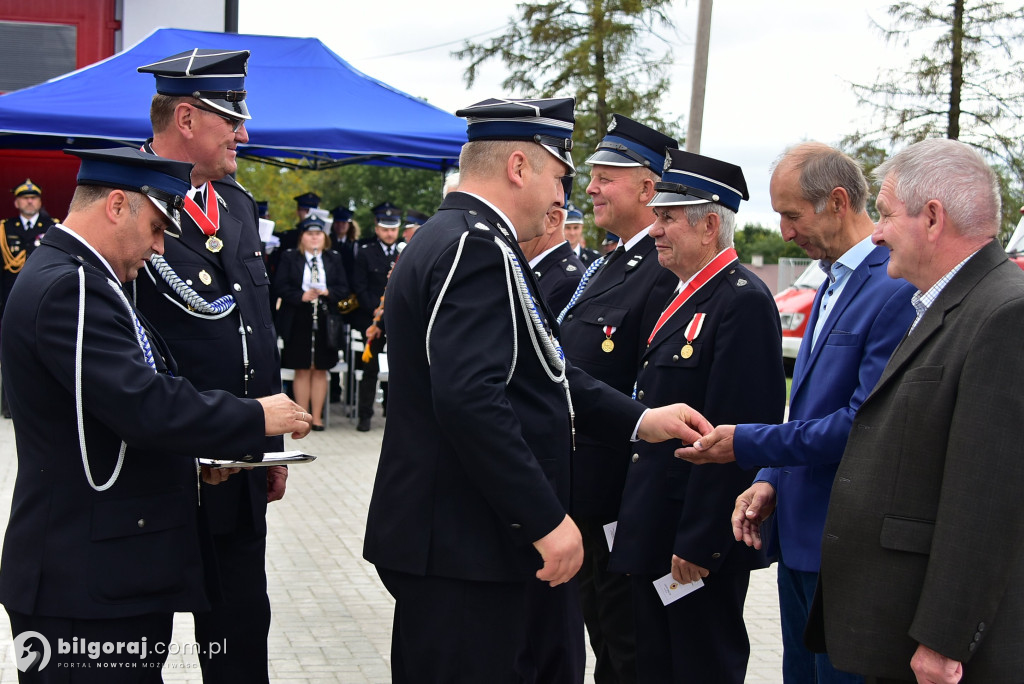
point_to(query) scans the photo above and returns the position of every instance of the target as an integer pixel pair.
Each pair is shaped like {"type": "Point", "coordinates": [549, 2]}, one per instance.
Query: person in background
{"type": "Point", "coordinates": [310, 282]}
{"type": "Point", "coordinates": [373, 263]}
{"type": "Point", "coordinates": [19, 236]}
{"type": "Point", "coordinates": [574, 234]}
{"type": "Point", "coordinates": [557, 269]}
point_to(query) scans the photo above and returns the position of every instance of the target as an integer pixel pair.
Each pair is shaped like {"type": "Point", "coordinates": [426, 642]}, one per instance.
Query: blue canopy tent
{"type": "Point", "coordinates": [310, 108]}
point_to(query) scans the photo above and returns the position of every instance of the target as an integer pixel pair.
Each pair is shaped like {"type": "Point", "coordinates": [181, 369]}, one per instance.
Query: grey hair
{"type": "Point", "coordinates": [953, 173]}
{"type": "Point", "coordinates": [823, 169]}
{"type": "Point", "coordinates": [695, 213]}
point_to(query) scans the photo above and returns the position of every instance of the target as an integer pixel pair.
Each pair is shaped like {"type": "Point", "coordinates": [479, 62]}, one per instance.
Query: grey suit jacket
{"type": "Point", "coordinates": [924, 541]}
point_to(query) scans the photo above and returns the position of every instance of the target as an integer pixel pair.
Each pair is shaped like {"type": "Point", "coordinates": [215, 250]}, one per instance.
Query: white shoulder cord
{"type": "Point", "coordinates": [444, 288]}
{"type": "Point", "coordinates": [78, 378]}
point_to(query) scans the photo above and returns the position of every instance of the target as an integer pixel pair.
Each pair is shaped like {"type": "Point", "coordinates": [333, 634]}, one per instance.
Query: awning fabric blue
{"type": "Point", "coordinates": [307, 104]}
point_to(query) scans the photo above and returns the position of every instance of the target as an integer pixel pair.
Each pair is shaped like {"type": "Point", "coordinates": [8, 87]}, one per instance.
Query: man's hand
{"type": "Point", "coordinates": [752, 508]}
{"type": "Point", "coordinates": [276, 478]}
{"type": "Point", "coordinates": [931, 667]}
{"type": "Point", "coordinates": [372, 333]}
{"type": "Point", "coordinates": [562, 551]}
{"type": "Point", "coordinates": [712, 448]}
{"type": "Point", "coordinates": [215, 476]}
{"type": "Point", "coordinates": [310, 295]}
{"type": "Point", "coordinates": [281, 415]}
{"type": "Point", "coordinates": [676, 421]}
{"type": "Point", "coordinates": [686, 572]}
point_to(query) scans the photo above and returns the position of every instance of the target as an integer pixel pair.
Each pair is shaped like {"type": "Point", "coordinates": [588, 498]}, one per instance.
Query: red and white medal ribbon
{"type": "Point", "coordinates": [693, 329]}
{"type": "Point", "coordinates": [208, 221]}
{"type": "Point", "coordinates": [713, 268]}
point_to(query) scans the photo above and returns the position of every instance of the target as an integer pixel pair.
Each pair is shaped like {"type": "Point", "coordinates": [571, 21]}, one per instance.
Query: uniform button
{"type": "Point", "coordinates": [716, 555]}
{"type": "Point", "coordinates": [600, 319]}
{"type": "Point", "coordinates": [189, 283]}
{"type": "Point", "coordinates": [252, 372]}
{"type": "Point", "coordinates": [248, 329]}
{"type": "Point", "coordinates": [977, 636]}
{"type": "Point", "coordinates": [141, 523]}
{"type": "Point", "coordinates": [238, 288]}
{"type": "Point", "coordinates": [247, 457]}
{"type": "Point", "coordinates": [675, 358]}
{"type": "Point", "coordinates": [636, 457]}
{"type": "Point", "coordinates": [472, 212]}
{"type": "Point", "coordinates": [973, 645]}
{"type": "Point", "coordinates": [640, 394]}
{"type": "Point", "coordinates": [515, 526]}
{"type": "Point", "coordinates": [981, 626]}
{"type": "Point", "coordinates": [645, 364]}
{"type": "Point", "coordinates": [569, 317]}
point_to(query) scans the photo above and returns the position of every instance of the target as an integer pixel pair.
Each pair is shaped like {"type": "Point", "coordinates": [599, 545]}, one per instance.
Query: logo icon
{"type": "Point", "coordinates": [31, 651]}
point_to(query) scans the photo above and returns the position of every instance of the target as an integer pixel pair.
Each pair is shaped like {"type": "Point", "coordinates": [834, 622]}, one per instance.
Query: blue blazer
{"type": "Point", "coordinates": [830, 381]}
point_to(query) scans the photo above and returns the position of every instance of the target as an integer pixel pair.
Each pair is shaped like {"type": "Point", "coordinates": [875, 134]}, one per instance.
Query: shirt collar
{"type": "Point", "coordinates": [850, 260]}
{"type": "Point", "coordinates": [498, 211]}
{"type": "Point", "coordinates": [633, 241]}
{"type": "Point", "coordinates": [91, 249]}
{"type": "Point", "coordinates": [540, 257]}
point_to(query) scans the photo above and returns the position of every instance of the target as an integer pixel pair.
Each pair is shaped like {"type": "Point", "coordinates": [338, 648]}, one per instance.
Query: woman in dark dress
{"type": "Point", "coordinates": [310, 281]}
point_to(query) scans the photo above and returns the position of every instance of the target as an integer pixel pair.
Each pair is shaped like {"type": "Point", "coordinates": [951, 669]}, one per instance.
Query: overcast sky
{"type": "Point", "coordinates": [778, 72]}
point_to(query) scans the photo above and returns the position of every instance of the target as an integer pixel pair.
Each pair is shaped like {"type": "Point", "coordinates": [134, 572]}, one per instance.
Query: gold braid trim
{"type": "Point", "coordinates": [12, 263]}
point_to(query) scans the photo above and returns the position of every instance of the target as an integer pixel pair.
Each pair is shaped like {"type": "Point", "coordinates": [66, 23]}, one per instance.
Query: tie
{"type": "Point", "coordinates": [619, 251]}
{"type": "Point", "coordinates": [200, 199]}
{"type": "Point", "coordinates": [314, 271]}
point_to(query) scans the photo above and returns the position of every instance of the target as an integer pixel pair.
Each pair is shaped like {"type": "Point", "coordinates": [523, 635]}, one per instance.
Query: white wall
{"type": "Point", "coordinates": [140, 17]}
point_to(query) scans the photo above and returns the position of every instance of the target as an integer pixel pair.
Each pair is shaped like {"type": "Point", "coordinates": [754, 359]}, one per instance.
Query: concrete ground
{"type": "Point", "coordinates": [332, 616]}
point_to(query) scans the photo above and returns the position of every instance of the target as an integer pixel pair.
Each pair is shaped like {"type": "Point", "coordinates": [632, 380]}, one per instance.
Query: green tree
{"type": "Point", "coordinates": [754, 238]}
{"type": "Point", "coordinates": [968, 85]}
{"type": "Point", "coordinates": [602, 52]}
{"type": "Point", "coordinates": [359, 187]}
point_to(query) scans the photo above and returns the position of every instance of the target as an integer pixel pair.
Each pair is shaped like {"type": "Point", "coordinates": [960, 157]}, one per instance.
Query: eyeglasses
{"type": "Point", "coordinates": [233, 122]}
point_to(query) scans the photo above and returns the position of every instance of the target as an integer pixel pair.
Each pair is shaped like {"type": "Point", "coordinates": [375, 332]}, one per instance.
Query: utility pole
{"type": "Point", "coordinates": [700, 77]}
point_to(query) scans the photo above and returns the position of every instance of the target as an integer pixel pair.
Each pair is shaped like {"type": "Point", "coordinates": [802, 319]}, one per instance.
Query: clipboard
{"type": "Point", "coordinates": [271, 458]}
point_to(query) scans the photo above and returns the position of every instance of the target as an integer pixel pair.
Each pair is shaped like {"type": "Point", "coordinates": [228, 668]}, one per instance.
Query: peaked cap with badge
{"type": "Point", "coordinates": [631, 143]}
{"type": "Point", "coordinates": [312, 223]}
{"type": "Point", "coordinates": [547, 122]}
{"type": "Point", "coordinates": [691, 178]}
{"type": "Point", "coordinates": [308, 200]}
{"type": "Point", "coordinates": [415, 218]}
{"type": "Point", "coordinates": [387, 215]}
{"type": "Point", "coordinates": [215, 77]}
{"type": "Point", "coordinates": [27, 188]}
{"type": "Point", "coordinates": [341, 214]}
{"type": "Point", "coordinates": [164, 181]}
{"type": "Point", "coordinates": [573, 214]}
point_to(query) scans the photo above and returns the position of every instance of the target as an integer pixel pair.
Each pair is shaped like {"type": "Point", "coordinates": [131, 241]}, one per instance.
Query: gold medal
{"type": "Point", "coordinates": [205, 278]}
{"type": "Point", "coordinates": [687, 351]}
{"type": "Point", "coordinates": [214, 244]}
{"type": "Point", "coordinates": [607, 345]}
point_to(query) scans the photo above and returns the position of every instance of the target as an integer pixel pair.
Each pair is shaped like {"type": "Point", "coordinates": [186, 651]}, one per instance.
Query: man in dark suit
{"type": "Point", "coordinates": [373, 264]}
{"type": "Point", "coordinates": [717, 346]}
{"type": "Point", "coordinates": [210, 296]}
{"type": "Point", "coordinates": [468, 512]}
{"type": "Point", "coordinates": [556, 267]}
{"type": "Point", "coordinates": [605, 332]}
{"type": "Point", "coordinates": [859, 316]}
{"type": "Point", "coordinates": [921, 566]}
{"type": "Point", "coordinates": [574, 234]}
{"type": "Point", "coordinates": [106, 539]}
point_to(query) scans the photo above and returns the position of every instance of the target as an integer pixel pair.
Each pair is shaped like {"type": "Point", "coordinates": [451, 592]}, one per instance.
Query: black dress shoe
{"type": "Point", "coordinates": [364, 425]}
{"type": "Point", "coordinates": [317, 428]}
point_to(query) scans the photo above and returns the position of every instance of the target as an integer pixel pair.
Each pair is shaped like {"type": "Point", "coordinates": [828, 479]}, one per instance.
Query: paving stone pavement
{"type": "Point", "coordinates": [332, 616]}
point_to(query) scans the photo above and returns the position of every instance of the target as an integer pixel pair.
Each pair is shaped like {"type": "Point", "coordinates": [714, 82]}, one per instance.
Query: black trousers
{"type": "Point", "coordinates": [607, 600]}
{"type": "Point", "coordinates": [232, 638]}
{"type": "Point", "coordinates": [368, 385]}
{"type": "Point", "coordinates": [461, 631]}
{"type": "Point", "coordinates": [698, 639]}
{"type": "Point", "coordinates": [74, 651]}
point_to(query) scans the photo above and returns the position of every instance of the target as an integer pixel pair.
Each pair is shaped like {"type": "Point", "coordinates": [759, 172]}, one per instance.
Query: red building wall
{"type": "Point", "coordinates": [54, 172]}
